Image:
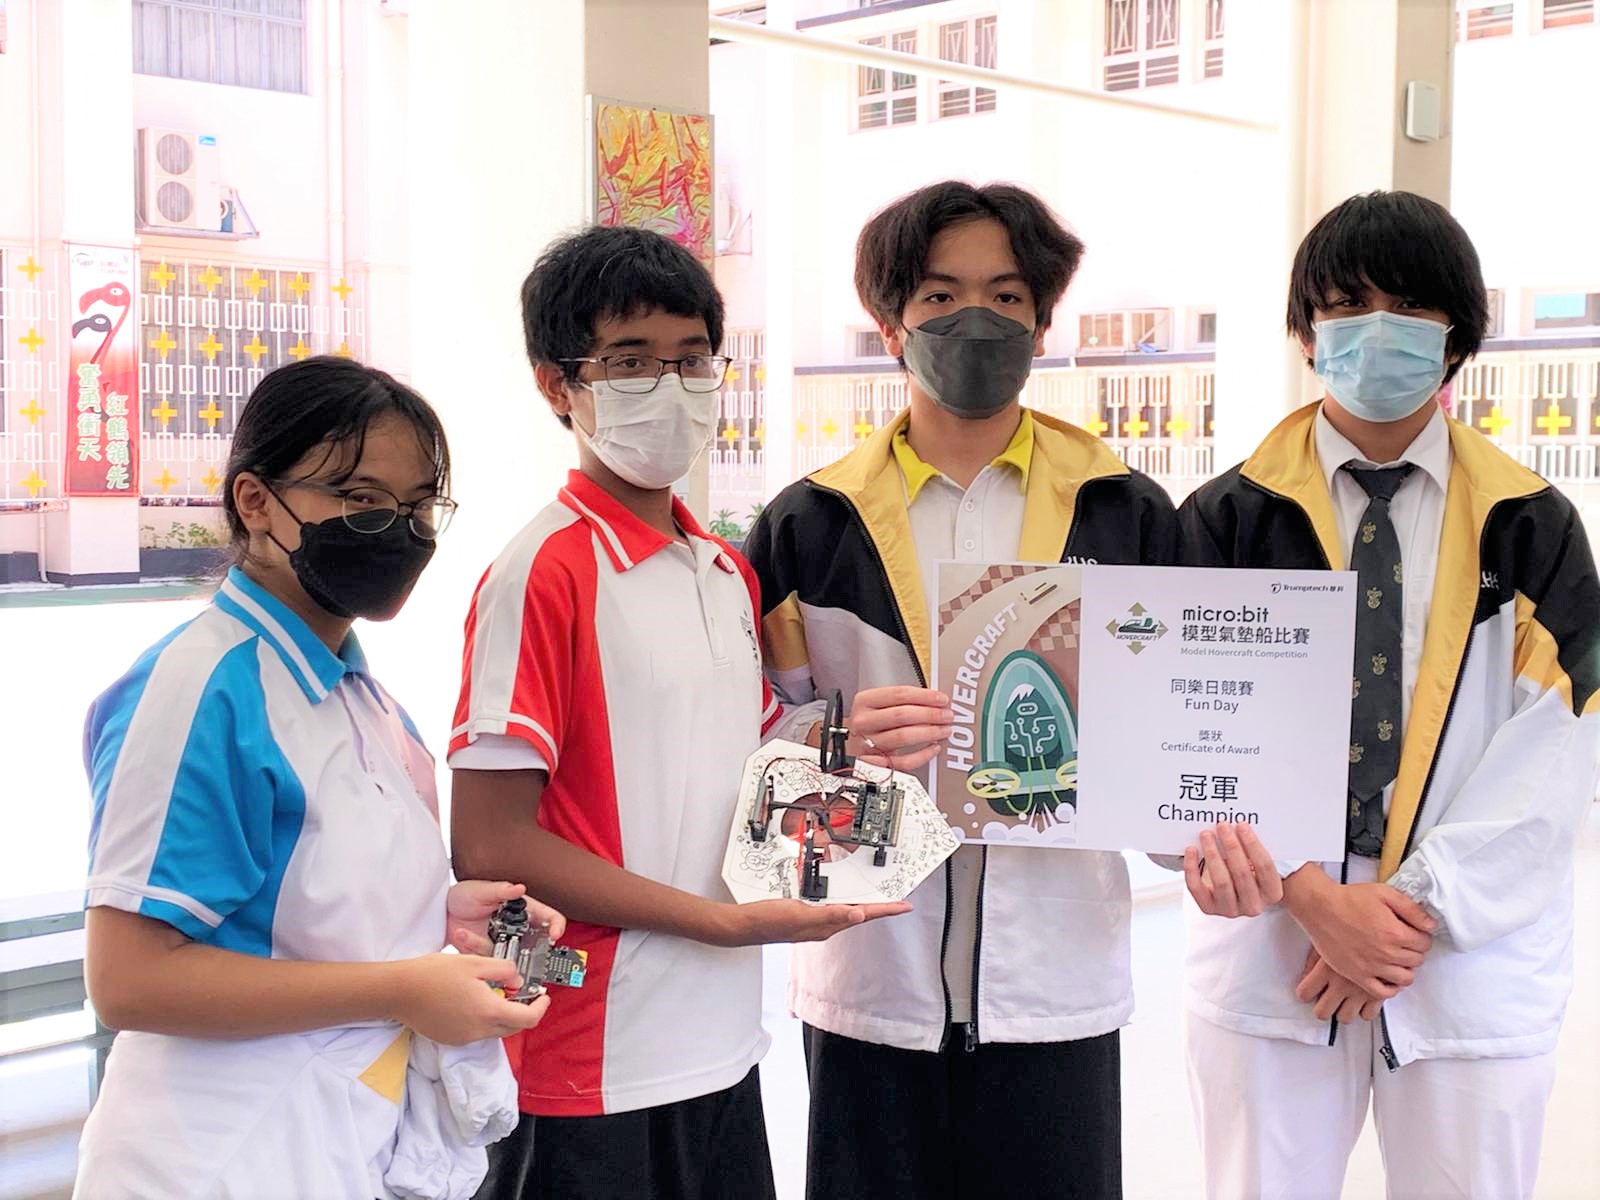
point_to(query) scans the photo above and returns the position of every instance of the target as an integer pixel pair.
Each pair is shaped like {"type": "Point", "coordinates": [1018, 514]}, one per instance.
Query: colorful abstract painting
{"type": "Point", "coordinates": [653, 170]}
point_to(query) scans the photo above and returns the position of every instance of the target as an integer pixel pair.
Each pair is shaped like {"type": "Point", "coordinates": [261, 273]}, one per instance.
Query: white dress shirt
{"type": "Point", "coordinates": [1417, 512]}
{"type": "Point", "coordinates": [982, 523]}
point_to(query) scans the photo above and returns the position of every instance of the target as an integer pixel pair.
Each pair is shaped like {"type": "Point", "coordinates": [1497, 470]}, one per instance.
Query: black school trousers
{"type": "Point", "coordinates": [1012, 1121]}
{"type": "Point", "coordinates": [710, 1147]}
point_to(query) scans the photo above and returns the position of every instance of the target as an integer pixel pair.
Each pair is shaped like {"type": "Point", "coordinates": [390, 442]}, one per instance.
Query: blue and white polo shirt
{"type": "Point", "coordinates": [260, 793]}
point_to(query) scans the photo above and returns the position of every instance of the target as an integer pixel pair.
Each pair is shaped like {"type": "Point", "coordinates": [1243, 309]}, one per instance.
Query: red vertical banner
{"type": "Point", "coordinates": [102, 434]}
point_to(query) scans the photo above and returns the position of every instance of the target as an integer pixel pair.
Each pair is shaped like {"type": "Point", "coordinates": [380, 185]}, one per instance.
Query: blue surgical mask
{"type": "Point", "coordinates": [1382, 366]}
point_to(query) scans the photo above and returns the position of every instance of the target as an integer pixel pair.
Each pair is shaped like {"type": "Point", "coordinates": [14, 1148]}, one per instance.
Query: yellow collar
{"type": "Point", "coordinates": [1018, 453]}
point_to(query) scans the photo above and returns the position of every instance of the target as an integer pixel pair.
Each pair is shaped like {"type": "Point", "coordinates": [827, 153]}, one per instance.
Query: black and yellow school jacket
{"type": "Point", "coordinates": [1499, 763]}
{"type": "Point", "coordinates": [844, 608]}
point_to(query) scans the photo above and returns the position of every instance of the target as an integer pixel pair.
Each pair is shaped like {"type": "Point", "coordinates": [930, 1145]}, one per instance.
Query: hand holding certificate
{"type": "Point", "coordinates": [1110, 707]}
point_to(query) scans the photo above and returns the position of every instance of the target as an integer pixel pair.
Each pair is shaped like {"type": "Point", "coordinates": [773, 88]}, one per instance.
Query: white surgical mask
{"type": "Point", "coordinates": [651, 440]}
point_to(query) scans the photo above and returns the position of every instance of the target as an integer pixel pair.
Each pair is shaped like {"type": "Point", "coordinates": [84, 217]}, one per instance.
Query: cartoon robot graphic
{"type": "Point", "coordinates": [1029, 753]}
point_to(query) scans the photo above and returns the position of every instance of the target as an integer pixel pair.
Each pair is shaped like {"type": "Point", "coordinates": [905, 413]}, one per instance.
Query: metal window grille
{"type": "Point", "coordinates": [883, 97]}
{"type": "Point", "coordinates": [738, 458]}
{"type": "Point", "coordinates": [243, 43]}
{"type": "Point", "coordinates": [975, 43]}
{"type": "Point", "coordinates": [32, 407]}
{"type": "Point", "coordinates": [1485, 21]}
{"type": "Point", "coordinates": [208, 333]}
{"type": "Point", "coordinates": [1141, 46]}
{"type": "Point", "coordinates": [1558, 13]}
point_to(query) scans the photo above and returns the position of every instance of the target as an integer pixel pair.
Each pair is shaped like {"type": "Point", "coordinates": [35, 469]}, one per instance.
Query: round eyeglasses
{"type": "Point", "coordinates": [369, 509]}
{"type": "Point", "coordinates": [638, 374]}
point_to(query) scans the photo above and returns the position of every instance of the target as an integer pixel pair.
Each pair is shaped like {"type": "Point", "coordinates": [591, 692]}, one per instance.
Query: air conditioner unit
{"type": "Point", "coordinates": [180, 184]}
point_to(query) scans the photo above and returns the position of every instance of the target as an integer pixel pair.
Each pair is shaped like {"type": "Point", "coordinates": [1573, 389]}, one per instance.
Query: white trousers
{"type": "Point", "coordinates": [1278, 1119]}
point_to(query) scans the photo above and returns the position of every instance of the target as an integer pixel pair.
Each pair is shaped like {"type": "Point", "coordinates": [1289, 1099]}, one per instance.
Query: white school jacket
{"type": "Point", "coordinates": [843, 603]}
{"type": "Point", "coordinates": [1499, 764]}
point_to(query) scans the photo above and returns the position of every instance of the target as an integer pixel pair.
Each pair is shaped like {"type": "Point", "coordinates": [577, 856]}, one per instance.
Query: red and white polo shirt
{"type": "Point", "coordinates": [627, 665]}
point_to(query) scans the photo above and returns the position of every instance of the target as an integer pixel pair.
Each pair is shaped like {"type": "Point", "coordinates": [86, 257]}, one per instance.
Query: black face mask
{"type": "Point", "coordinates": [353, 574]}
{"type": "Point", "coordinates": [972, 363]}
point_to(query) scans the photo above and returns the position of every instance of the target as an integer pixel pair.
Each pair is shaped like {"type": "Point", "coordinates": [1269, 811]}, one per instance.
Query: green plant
{"type": "Point", "coordinates": [724, 526]}
{"type": "Point", "coordinates": [755, 512]}
{"type": "Point", "coordinates": [193, 536]}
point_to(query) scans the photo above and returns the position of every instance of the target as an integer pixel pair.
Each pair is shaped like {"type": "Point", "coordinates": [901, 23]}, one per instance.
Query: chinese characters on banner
{"type": "Point", "coordinates": [102, 443]}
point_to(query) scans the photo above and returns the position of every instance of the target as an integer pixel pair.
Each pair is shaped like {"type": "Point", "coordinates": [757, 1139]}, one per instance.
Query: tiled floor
{"type": "Point", "coordinates": [43, 1097]}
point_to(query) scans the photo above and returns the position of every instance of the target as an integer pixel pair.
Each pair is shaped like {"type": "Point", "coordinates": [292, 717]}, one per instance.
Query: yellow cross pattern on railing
{"type": "Point", "coordinates": [1495, 422]}
{"type": "Point", "coordinates": [1135, 427]}
{"type": "Point", "coordinates": [161, 275]}
{"type": "Point", "coordinates": [34, 483]}
{"type": "Point", "coordinates": [299, 350]}
{"type": "Point", "coordinates": [255, 349]}
{"type": "Point", "coordinates": [1096, 426]}
{"type": "Point", "coordinates": [732, 376]}
{"type": "Point", "coordinates": [211, 414]}
{"type": "Point", "coordinates": [210, 347]}
{"type": "Point", "coordinates": [829, 428]}
{"type": "Point", "coordinates": [299, 287]}
{"type": "Point", "coordinates": [32, 341]}
{"type": "Point", "coordinates": [344, 350]}
{"type": "Point", "coordinates": [255, 282]}
{"type": "Point", "coordinates": [33, 412]}
{"type": "Point", "coordinates": [164, 412]}
{"type": "Point", "coordinates": [731, 433]}
{"type": "Point", "coordinates": [211, 479]}
{"type": "Point", "coordinates": [1178, 426]}
{"type": "Point", "coordinates": [863, 428]}
{"type": "Point", "coordinates": [209, 279]}
{"type": "Point", "coordinates": [342, 290]}
{"type": "Point", "coordinates": [760, 433]}
{"type": "Point", "coordinates": [31, 269]}
{"type": "Point", "coordinates": [1554, 420]}
{"type": "Point", "coordinates": [162, 343]}
{"type": "Point", "coordinates": [165, 480]}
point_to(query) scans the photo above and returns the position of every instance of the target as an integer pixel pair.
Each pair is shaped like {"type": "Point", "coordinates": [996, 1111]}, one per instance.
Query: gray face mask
{"type": "Point", "coordinates": [971, 363]}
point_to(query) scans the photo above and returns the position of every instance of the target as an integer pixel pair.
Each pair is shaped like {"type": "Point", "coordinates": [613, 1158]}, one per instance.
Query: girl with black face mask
{"type": "Point", "coordinates": [268, 892]}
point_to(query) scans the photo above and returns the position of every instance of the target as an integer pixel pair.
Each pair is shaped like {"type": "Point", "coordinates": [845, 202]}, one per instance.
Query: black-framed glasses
{"type": "Point", "coordinates": [368, 509]}
{"type": "Point", "coordinates": [638, 374]}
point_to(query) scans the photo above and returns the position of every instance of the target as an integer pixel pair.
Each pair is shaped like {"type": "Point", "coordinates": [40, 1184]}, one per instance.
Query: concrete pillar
{"type": "Point", "coordinates": [499, 159]}
{"type": "Point", "coordinates": [86, 193]}
{"type": "Point", "coordinates": [1334, 72]}
{"type": "Point", "coordinates": [1363, 53]}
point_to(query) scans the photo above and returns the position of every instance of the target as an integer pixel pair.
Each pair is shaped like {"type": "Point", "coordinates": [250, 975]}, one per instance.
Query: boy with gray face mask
{"type": "Point", "coordinates": [926, 1037]}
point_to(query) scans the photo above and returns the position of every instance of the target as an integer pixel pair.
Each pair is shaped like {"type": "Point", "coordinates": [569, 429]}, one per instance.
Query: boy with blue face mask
{"type": "Point", "coordinates": [971, 1047]}
{"type": "Point", "coordinates": [1428, 971]}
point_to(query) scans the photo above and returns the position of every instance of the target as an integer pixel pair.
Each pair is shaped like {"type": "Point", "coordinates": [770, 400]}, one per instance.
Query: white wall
{"type": "Point", "coordinates": [16, 98]}
{"type": "Point", "coordinates": [1526, 181]}
{"type": "Point", "coordinates": [1144, 194]}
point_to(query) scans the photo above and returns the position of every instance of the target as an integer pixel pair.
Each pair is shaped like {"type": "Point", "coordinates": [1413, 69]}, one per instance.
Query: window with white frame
{"type": "Point", "coordinates": [1566, 310]}
{"type": "Point", "coordinates": [868, 343]}
{"type": "Point", "coordinates": [1497, 313]}
{"type": "Point", "coordinates": [244, 43]}
{"type": "Point", "coordinates": [1124, 332]}
{"type": "Point", "coordinates": [1475, 20]}
{"type": "Point", "coordinates": [1560, 13]}
{"type": "Point", "coordinates": [972, 42]}
{"type": "Point", "coordinates": [1211, 47]}
{"type": "Point", "coordinates": [1205, 328]}
{"type": "Point", "coordinates": [885, 97]}
{"type": "Point", "coordinates": [1141, 46]}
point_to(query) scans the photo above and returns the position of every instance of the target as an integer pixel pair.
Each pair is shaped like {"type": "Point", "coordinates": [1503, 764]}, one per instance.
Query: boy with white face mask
{"type": "Point", "coordinates": [612, 689]}
{"type": "Point", "coordinates": [1428, 971]}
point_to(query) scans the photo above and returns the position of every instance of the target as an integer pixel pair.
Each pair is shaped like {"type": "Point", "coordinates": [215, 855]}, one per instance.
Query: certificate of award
{"type": "Point", "coordinates": [1109, 707]}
